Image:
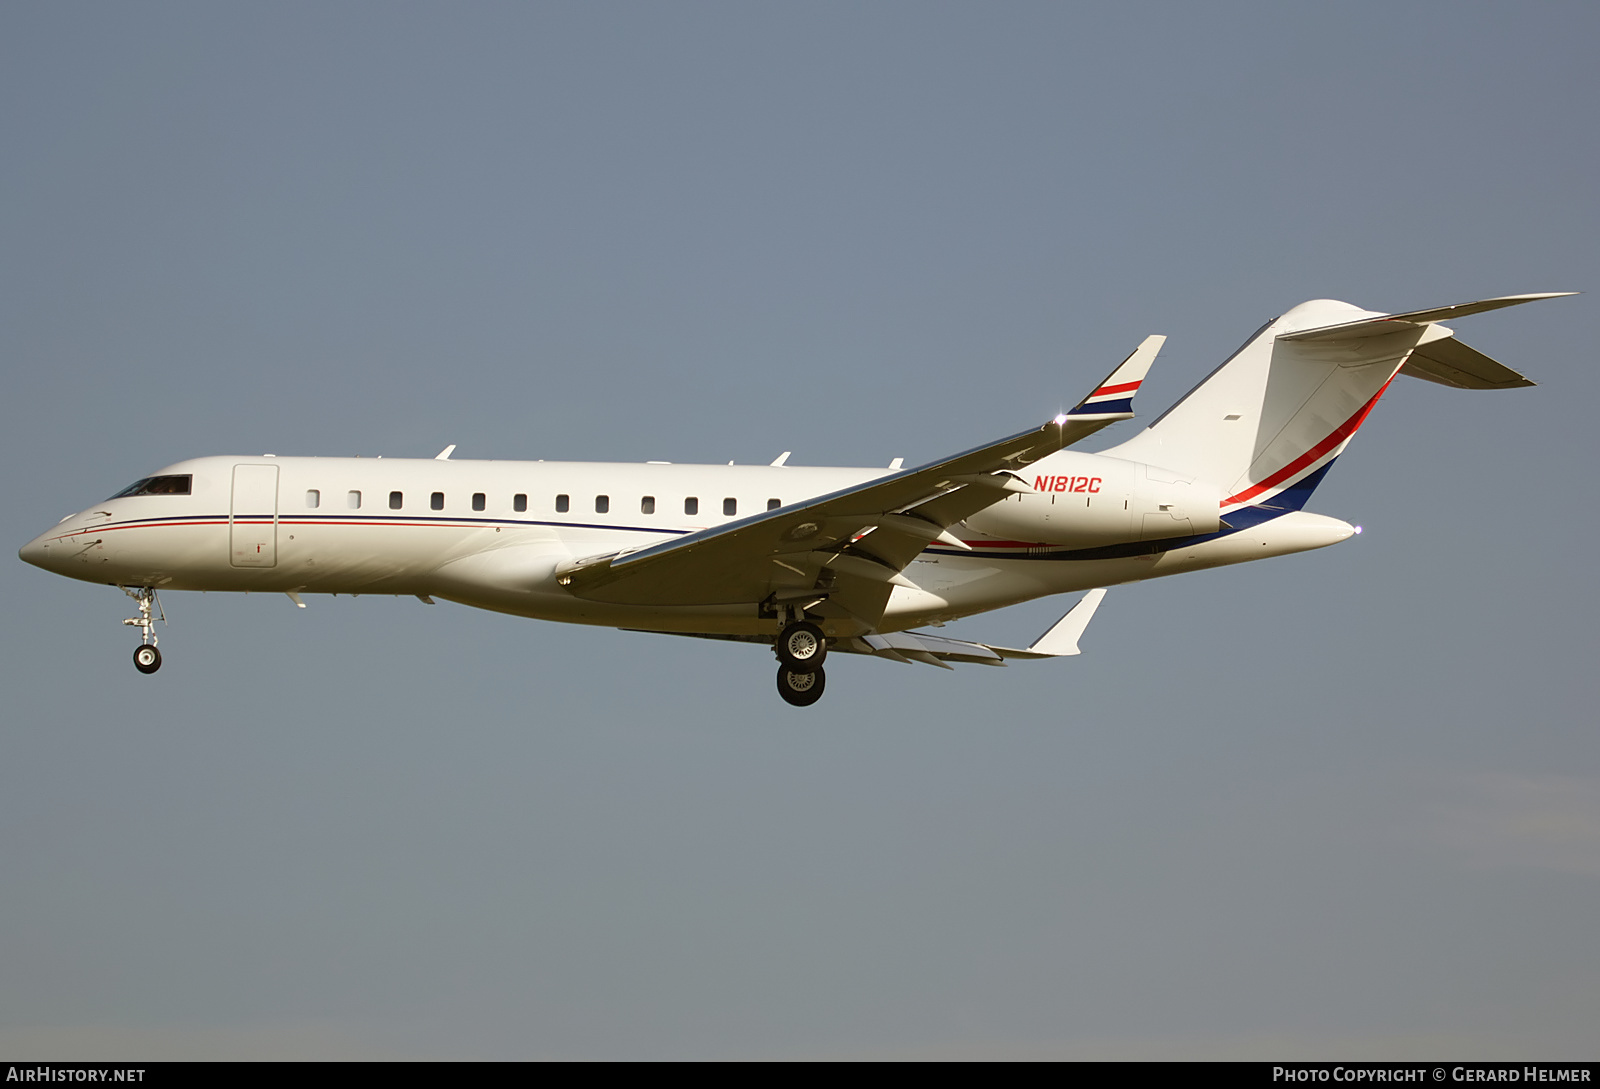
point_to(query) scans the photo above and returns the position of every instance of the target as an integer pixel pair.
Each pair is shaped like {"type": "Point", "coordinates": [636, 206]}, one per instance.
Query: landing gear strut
{"type": "Point", "coordinates": [146, 658]}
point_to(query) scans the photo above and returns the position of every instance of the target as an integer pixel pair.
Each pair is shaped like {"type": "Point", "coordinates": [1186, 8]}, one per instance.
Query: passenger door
{"type": "Point", "coordinates": [253, 519]}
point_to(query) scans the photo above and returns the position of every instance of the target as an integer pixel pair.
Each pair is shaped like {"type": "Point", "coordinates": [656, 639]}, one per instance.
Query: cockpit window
{"type": "Point", "coordinates": [158, 485]}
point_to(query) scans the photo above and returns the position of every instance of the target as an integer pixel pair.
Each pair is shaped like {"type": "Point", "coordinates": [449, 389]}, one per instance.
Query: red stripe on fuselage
{"type": "Point", "coordinates": [259, 520]}
{"type": "Point", "coordinates": [138, 525]}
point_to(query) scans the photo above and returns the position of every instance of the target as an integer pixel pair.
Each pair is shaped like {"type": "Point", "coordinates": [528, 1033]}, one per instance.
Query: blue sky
{"type": "Point", "coordinates": [1338, 804]}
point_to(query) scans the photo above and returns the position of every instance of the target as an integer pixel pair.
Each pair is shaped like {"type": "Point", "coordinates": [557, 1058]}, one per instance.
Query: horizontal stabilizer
{"type": "Point", "coordinates": [1452, 363]}
{"type": "Point", "coordinates": [1389, 323]}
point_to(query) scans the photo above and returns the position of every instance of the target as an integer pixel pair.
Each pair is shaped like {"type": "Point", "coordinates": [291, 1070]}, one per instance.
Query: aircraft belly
{"type": "Point", "coordinates": [718, 589]}
{"type": "Point", "coordinates": [740, 619]}
{"type": "Point", "coordinates": [374, 557]}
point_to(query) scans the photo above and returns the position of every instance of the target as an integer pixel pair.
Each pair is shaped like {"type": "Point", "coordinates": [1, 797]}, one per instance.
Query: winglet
{"type": "Point", "coordinates": [1114, 396]}
{"type": "Point", "coordinates": [1062, 638]}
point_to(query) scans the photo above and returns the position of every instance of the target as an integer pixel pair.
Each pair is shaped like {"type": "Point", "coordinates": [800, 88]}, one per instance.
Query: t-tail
{"type": "Point", "coordinates": [1266, 425]}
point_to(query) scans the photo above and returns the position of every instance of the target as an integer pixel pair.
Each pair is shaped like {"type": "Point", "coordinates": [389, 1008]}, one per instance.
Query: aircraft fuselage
{"type": "Point", "coordinates": [492, 534]}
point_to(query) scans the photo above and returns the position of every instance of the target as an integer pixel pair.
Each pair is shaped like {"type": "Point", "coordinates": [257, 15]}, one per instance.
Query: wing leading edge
{"type": "Point", "coordinates": [841, 554]}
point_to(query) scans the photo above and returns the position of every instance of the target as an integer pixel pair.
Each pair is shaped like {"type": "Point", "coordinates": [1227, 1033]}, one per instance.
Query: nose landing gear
{"type": "Point", "coordinates": [146, 658]}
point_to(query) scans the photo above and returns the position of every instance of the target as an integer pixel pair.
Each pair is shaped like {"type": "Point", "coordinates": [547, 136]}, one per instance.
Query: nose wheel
{"type": "Point", "coordinates": [146, 658]}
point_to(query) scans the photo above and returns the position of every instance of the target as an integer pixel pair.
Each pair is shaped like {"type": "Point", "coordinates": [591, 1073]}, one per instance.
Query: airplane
{"type": "Point", "coordinates": [810, 561]}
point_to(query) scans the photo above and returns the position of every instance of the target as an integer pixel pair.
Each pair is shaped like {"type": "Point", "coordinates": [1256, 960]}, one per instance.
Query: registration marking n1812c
{"type": "Point", "coordinates": [1066, 483]}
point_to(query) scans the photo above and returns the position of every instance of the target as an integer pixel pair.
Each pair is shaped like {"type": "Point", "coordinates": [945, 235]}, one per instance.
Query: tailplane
{"type": "Point", "coordinates": [1266, 425]}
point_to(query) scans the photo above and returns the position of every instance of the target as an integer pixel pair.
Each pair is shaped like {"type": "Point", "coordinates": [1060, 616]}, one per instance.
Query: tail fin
{"type": "Point", "coordinates": [1268, 423]}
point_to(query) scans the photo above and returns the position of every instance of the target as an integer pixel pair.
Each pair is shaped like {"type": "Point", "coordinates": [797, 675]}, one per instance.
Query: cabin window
{"type": "Point", "coordinates": [313, 498]}
{"type": "Point", "coordinates": [647, 505]}
{"type": "Point", "coordinates": [396, 500]}
{"type": "Point", "coordinates": [562, 504]}
{"type": "Point", "coordinates": [436, 501]}
{"type": "Point", "coordinates": [352, 500]}
{"type": "Point", "coordinates": [602, 504]}
{"type": "Point", "coordinates": [730, 506]}
{"type": "Point", "coordinates": [478, 501]}
{"type": "Point", "coordinates": [691, 505]}
{"type": "Point", "coordinates": [519, 502]}
{"type": "Point", "coordinates": [774, 504]}
{"type": "Point", "coordinates": [158, 485]}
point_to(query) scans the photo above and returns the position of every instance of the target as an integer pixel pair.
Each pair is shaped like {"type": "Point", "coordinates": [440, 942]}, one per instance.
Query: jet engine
{"type": "Point", "coordinates": [1086, 501]}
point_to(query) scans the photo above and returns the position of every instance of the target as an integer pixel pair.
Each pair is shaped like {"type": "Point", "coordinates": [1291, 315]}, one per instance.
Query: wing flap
{"type": "Point", "coordinates": [907, 646]}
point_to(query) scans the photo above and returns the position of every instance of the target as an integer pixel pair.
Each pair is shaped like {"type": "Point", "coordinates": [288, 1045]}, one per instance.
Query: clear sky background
{"type": "Point", "coordinates": [1333, 805]}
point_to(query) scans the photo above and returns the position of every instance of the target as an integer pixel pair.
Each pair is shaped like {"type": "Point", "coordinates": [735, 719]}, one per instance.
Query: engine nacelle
{"type": "Point", "coordinates": [1086, 500]}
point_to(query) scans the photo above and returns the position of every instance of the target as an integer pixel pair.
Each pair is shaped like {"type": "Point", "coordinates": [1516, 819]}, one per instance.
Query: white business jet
{"type": "Point", "coordinates": [810, 561]}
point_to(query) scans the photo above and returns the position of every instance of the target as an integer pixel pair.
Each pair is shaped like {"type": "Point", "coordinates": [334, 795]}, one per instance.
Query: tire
{"type": "Point", "coordinates": [801, 687]}
{"type": "Point", "coordinates": [802, 646]}
{"type": "Point", "coordinates": [146, 659]}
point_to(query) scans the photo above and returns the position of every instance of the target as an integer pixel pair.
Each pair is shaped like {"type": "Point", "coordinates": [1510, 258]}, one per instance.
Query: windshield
{"type": "Point", "coordinates": [158, 485]}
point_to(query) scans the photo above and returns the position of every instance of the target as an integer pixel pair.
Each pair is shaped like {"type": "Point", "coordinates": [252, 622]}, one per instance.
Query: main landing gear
{"type": "Point", "coordinates": [801, 648]}
{"type": "Point", "coordinates": [801, 645]}
{"type": "Point", "coordinates": [146, 658]}
{"type": "Point", "coordinates": [801, 687]}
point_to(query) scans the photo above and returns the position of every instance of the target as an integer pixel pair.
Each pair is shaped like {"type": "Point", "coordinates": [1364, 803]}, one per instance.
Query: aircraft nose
{"type": "Point", "coordinates": [34, 551]}
{"type": "Point", "coordinates": [37, 551]}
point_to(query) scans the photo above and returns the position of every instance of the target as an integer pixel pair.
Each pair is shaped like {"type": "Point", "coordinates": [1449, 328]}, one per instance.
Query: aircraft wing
{"type": "Point", "coordinates": [841, 554]}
